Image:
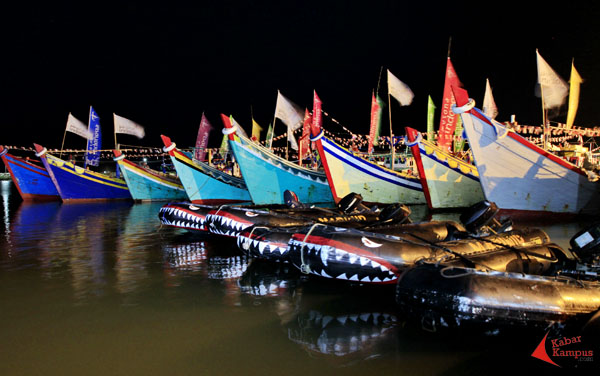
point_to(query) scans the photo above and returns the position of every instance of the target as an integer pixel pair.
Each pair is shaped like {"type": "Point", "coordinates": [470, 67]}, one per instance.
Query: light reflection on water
{"type": "Point", "coordinates": [104, 289]}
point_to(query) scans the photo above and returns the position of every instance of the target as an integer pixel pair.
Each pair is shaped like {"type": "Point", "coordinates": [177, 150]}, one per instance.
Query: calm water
{"type": "Point", "coordinates": [102, 289]}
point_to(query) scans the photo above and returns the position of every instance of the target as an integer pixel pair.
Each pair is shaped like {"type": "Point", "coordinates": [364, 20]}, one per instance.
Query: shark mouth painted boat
{"type": "Point", "coordinates": [184, 215]}
{"type": "Point", "coordinates": [30, 177]}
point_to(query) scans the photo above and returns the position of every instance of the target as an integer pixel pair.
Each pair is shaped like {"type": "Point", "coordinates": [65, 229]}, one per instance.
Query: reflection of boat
{"type": "Point", "coordinates": [147, 184]}
{"type": "Point", "coordinates": [520, 176]}
{"type": "Point", "coordinates": [75, 183]}
{"type": "Point", "coordinates": [267, 175]}
{"type": "Point", "coordinates": [205, 184]}
{"type": "Point", "coordinates": [30, 178]}
{"type": "Point", "coordinates": [266, 279]}
{"type": "Point", "coordinates": [347, 173]}
{"type": "Point", "coordinates": [448, 181]}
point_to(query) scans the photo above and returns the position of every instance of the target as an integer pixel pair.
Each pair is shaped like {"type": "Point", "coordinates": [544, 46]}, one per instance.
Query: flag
{"type": "Point", "coordinates": [269, 136]}
{"type": "Point", "coordinates": [256, 129]}
{"type": "Point", "coordinates": [238, 128]}
{"type": "Point", "coordinates": [92, 156]}
{"type": "Point", "coordinates": [127, 126]}
{"type": "Point", "coordinates": [76, 126]}
{"type": "Point", "coordinates": [202, 139]}
{"type": "Point", "coordinates": [376, 109]}
{"type": "Point", "coordinates": [224, 146]}
{"type": "Point", "coordinates": [430, 119]}
{"type": "Point", "coordinates": [291, 115]}
{"type": "Point", "coordinates": [459, 142]}
{"type": "Point", "coordinates": [575, 81]}
{"type": "Point", "coordinates": [553, 89]}
{"type": "Point", "coordinates": [489, 105]}
{"type": "Point", "coordinates": [399, 90]}
{"type": "Point", "coordinates": [305, 139]}
{"type": "Point", "coordinates": [448, 118]}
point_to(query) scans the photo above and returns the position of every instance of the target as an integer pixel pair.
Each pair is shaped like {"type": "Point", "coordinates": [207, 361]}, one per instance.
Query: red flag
{"type": "Point", "coordinates": [305, 139]}
{"type": "Point", "coordinates": [448, 118]}
{"type": "Point", "coordinates": [317, 117]}
{"type": "Point", "coordinates": [202, 139]}
{"type": "Point", "coordinates": [375, 123]}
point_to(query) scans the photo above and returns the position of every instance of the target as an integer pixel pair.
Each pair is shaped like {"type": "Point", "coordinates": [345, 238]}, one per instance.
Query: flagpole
{"type": "Point", "coordinates": [64, 136]}
{"type": "Point", "coordinates": [391, 133]}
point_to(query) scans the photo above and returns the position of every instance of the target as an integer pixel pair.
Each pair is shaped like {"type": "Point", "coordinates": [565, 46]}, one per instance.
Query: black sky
{"type": "Point", "coordinates": [163, 64]}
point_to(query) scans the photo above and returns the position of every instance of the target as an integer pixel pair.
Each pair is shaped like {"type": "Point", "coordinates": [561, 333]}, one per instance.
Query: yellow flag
{"type": "Point", "coordinates": [256, 129]}
{"type": "Point", "coordinates": [575, 81]}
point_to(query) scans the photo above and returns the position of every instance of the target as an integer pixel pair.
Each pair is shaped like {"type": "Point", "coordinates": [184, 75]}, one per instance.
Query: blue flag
{"type": "Point", "coordinates": [92, 157]}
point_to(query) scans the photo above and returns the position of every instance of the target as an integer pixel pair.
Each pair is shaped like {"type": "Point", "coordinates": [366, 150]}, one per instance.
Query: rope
{"type": "Point", "coordinates": [305, 268]}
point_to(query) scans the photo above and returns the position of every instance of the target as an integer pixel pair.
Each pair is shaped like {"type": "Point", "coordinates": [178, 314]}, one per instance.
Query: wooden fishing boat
{"type": "Point", "coordinates": [75, 183]}
{"type": "Point", "coordinates": [147, 184]}
{"type": "Point", "coordinates": [205, 184]}
{"type": "Point", "coordinates": [448, 181]}
{"type": "Point", "coordinates": [267, 175]}
{"type": "Point", "coordinates": [30, 177]}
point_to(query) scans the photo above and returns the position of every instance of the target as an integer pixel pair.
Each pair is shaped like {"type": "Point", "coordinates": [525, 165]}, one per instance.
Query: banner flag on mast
{"type": "Point", "coordinates": [399, 90]}
{"type": "Point", "coordinates": [376, 110]}
{"type": "Point", "coordinates": [430, 119]}
{"type": "Point", "coordinates": [76, 126]}
{"type": "Point", "coordinates": [553, 89]}
{"type": "Point", "coordinates": [126, 126]}
{"type": "Point", "coordinates": [269, 136]}
{"type": "Point", "coordinates": [448, 118]}
{"type": "Point", "coordinates": [256, 129]}
{"type": "Point", "coordinates": [575, 81]}
{"type": "Point", "coordinates": [305, 138]}
{"type": "Point", "coordinates": [291, 115]}
{"type": "Point", "coordinates": [238, 127]}
{"type": "Point", "coordinates": [202, 139]}
{"type": "Point", "coordinates": [92, 156]}
{"type": "Point", "coordinates": [489, 105]}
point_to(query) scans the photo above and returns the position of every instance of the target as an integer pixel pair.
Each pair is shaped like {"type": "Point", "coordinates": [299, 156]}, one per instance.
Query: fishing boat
{"type": "Point", "coordinates": [146, 184]}
{"type": "Point", "coordinates": [448, 181]}
{"type": "Point", "coordinates": [267, 175]}
{"type": "Point", "coordinates": [185, 215]}
{"type": "Point", "coordinates": [521, 177]}
{"type": "Point", "coordinates": [76, 183]}
{"type": "Point", "coordinates": [203, 183]}
{"type": "Point", "coordinates": [347, 173]}
{"type": "Point", "coordinates": [30, 177]}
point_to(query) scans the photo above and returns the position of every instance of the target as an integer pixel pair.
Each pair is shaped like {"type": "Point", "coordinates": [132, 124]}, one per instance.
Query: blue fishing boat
{"type": "Point", "coordinates": [75, 183]}
{"type": "Point", "coordinates": [268, 175]}
{"type": "Point", "coordinates": [30, 177]}
{"type": "Point", "coordinates": [205, 184]}
{"type": "Point", "coordinates": [147, 184]}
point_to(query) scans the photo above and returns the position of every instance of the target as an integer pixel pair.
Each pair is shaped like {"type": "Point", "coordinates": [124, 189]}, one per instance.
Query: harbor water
{"type": "Point", "coordinates": [103, 289]}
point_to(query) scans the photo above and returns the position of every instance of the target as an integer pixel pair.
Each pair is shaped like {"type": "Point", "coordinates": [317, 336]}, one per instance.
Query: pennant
{"type": "Point", "coordinates": [448, 118]}
{"type": "Point", "coordinates": [399, 90]}
{"type": "Point", "coordinates": [92, 156]}
{"type": "Point", "coordinates": [239, 130]}
{"type": "Point", "coordinates": [127, 126]}
{"type": "Point", "coordinates": [575, 81]}
{"type": "Point", "coordinates": [459, 142]}
{"type": "Point", "coordinates": [269, 137]}
{"type": "Point", "coordinates": [202, 139]}
{"type": "Point", "coordinates": [430, 119]}
{"type": "Point", "coordinates": [552, 89]}
{"type": "Point", "coordinates": [256, 129]}
{"type": "Point", "coordinates": [376, 110]}
{"type": "Point", "coordinates": [305, 139]}
{"type": "Point", "coordinates": [291, 115]}
{"type": "Point", "coordinates": [224, 148]}
{"type": "Point", "coordinates": [489, 105]}
{"type": "Point", "coordinates": [76, 126]}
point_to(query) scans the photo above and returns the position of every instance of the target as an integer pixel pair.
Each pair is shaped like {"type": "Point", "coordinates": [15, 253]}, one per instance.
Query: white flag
{"type": "Point", "coordinates": [291, 115]}
{"type": "Point", "coordinates": [399, 90]}
{"type": "Point", "coordinates": [127, 126]}
{"type": "Point", "coordinates": [553, 88]}
{"type": "Point", "coordinates": [77, 127]}
{"type": "Point", "coordinates": [238, 127]}
{"type": "Point", "coordinates": [489, 105]}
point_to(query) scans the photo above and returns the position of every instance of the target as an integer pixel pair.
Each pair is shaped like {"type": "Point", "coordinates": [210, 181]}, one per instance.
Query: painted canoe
{"type": "Point", "coordinates": [448, 181]}
{"type": "Point", "coordinates": [205, 184]}
{"type": "Point", "coordinates": [347, 173]}
{"type": "Point", "coordinates": [146, 184]}
{"type": "Point", "coordinates": [30, 177]}
{"type": "Point", "coordinates": [75, 183]}
{"type": "Point", "coordinates": [267, 175]}
{"type": "Point", "coordinates": [521, 177]}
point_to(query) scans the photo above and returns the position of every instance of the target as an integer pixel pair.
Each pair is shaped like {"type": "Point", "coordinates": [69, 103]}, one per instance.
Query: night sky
{"type": "Point", "coordinates": [163, 64]}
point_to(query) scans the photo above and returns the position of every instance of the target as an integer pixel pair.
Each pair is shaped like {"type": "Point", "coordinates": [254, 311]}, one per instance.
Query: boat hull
{"type": "Point", "coordinates": [267, 176]}
{"type": "Point", "coordinates": [521, 177]}
{"type": "Point", "coordinates": [448, 182]}
{"type": "Point", "coordinates": [347, 173]}
{"type": "Point", "coordinates": [149, 185]}
{"type": "Point", "coordinates": [206, 185]}
{"type": "Point", "coordinates": [76, 183]}
{"type": "Point", "coordinates": [32, 181]}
